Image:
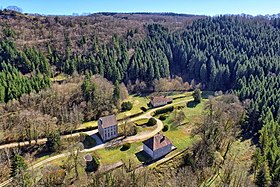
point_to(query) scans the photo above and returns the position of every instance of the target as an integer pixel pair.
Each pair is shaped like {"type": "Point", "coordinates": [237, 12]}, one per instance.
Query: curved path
{"type": "Point", "coordinates": [130, 139]}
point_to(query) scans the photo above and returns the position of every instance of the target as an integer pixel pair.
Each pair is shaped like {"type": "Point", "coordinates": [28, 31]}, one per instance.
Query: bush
{"type": "Point", "coordinates": [126, 106]}
{"type": "Point", "coordinates": [165, 128]}
{"type": "Point", "coordinates": [126, 146]}
{"type": "Point", "coordinates": [131, 130]}
{"type": "Point", "coordinates": [197, 95]}
{"type": "Point", "coordinates": [144, 109]}
{"type": "Point", "coordinates": [53, 142]}
{"type": "Point", "coordinates": [93, 165]}
{"type": "Point", "coordinates": [162, 117]}
{"type": "Point", "coordinates": [152, 122]}
{"type": "Point", "coordinates": [180, 107]}
{"type": "Point", "coordinates": [164, 110]}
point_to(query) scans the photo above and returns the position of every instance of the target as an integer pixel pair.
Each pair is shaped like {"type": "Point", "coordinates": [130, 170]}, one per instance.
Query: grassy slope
{"type": "Point", "coordinates": [180, 137]}
{"type": "Point", "coordinates": [137, 102]}
{"type": "Point", "coordinates": [110, 156]}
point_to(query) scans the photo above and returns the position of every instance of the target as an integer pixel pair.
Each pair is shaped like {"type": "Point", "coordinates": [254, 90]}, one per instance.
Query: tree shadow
{"type": "Point", "coordinates": [89, 142]}
{"type": "Point", "coordinates": [192, 104]}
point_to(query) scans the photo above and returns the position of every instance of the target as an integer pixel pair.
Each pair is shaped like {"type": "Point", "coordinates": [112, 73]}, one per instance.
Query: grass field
{"type": "Point", "coordinates": [88, 124]}
{"type": "Point", "coordinates": [193, 114]}
{"type": "Point", "coordinates": [111, 156]}
{"type": "Point", "coordinates": [181, 136]}
{"type": "Point", "coordinates": [142, 129]}
{"type": "Point", "coordinates": [137, 102]}
{"type": "Point", "coordinates": [141, 122]}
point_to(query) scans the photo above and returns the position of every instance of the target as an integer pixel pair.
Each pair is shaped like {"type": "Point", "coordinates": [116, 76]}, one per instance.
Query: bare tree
{"type": "Point", "coordinates": [76, 158]}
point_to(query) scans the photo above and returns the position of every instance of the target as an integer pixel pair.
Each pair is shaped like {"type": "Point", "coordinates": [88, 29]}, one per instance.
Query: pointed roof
{"type": "Point", "coordinates": [88, 157]}
{"type": "Point", "coordinates": [108, 121]}
{"type": "Point", "coordinates": [156, 142]}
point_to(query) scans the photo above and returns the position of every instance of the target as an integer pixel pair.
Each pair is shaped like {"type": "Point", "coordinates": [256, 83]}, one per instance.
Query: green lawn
{"type": "Point", "coordinates": [181, 136]}
{"type": "Point", "coordinates": [141, 122]}
{"type": "Point", "coordinates": [137, 102]}
{"type": "Point", "coordinates": [88, 124]}
{"type": "Point", "coordinates": [145, 128]}
{"type": "Point", "coordinates": [193, 114]}
{"type": "Point", "coordinates": [181, 97]}
{"type": "Point", "coordinates": [110, 156]}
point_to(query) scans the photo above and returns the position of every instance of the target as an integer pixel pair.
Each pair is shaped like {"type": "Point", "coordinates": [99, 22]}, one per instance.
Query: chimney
{"type": "Point", "coordinates": [162, 139]}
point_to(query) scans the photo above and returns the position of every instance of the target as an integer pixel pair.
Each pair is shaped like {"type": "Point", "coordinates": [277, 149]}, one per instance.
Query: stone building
{"type": "Point", "coordinates": [157, 146]}
{"type": "Point", "coordinates": [108, 127]}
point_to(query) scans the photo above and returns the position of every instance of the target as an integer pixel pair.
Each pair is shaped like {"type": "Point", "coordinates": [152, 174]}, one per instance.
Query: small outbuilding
{"type": "Point", "coordinates": [160, 101]}
{"type": "Point", "coordinates": [108, 127]}
{"type": "Point", "coordinates": [157, 146]}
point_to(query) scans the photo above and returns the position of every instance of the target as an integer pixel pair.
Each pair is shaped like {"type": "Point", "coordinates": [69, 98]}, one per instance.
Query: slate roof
{"type": "Point", "coordinates": [156, 142]}
{"type": "Point", "coordinates": [160, 99]}
{"type": "Point", "coordinates": [108, 121]}
{"type": "Point", "coordinates": [88, 158]}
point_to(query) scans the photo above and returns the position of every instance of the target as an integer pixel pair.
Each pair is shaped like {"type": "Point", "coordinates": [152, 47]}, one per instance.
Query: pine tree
{"type": "Point", "coordinates": [117, 95]}
{"type": "Point", "coordinates": [18, 165]}
{"type": "Point", "coordinates": [263, 177]}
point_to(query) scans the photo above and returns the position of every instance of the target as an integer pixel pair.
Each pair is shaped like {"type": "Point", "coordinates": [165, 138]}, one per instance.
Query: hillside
{"type": "Point", "coordinates": [102, 58]}
{"type": "Point", "coordinates": [41, 31]}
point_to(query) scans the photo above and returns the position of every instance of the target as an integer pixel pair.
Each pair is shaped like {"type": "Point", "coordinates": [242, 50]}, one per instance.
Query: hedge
{"type": "Point", "coordinates": [164, 110]}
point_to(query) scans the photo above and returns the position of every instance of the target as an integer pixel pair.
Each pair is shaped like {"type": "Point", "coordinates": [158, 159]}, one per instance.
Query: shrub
{"type": "Point", "coordinates": [144, 109]}
{"type": "Point", "coordinates": [162, 117]}
{"type": "Point", "coordinates": [164, 110]}
{"type": "Point", "coordinates": [165, 128]}
{"type": "Point", "coordinates": [126, 146]}
{"type": "Point", "coordinates": [152, 122]}
{"type": "Point", "coordinates": [93, 165]}
{"type": "Point", "coordinates": [126, 106]}
{"type": "Point", "coordinates": [197, 95]}
{"type": "Point", "coordinates": [180, 107]}
{"type": "Point", "coordinates": [131, 130]}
